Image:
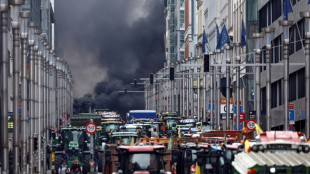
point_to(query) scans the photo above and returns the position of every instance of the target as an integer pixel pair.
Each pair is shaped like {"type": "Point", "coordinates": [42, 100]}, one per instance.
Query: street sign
{"type": "Point", "coordinates": [91, 128]}
{"type": "Point", "coordinates": [292, 128]}
{"type": "Point", "coordinates": [224, 107]}
{"type": "Point", "coordinates": [250, 124]}
{"type": "Point", "coordinates": [235, 109]}
{"type": "Point", "coordinates": [292, 116]}
{"type": "Point", "coordinates": [242, 116]}
{"type": "Point", "coordinates": [291, 106]}
{"type": "Point", "coordinates": [252, 114]}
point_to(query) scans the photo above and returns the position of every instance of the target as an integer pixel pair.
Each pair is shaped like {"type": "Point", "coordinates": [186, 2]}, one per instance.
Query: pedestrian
{"type": "Point", "coordinates": [96, 153]}
{"type": "Point", "coordinates": [54, 171]}
{"type": "Point", "coordinates": [11, 168]}
{"type": "Point", "coordinates": [49, 150]}
{"type": "Point", "coordinates": [76, 167]}
{"type": "Point", "coordinates": [64, 156]}
{"type": "Point", "coordinates": [62, 169]}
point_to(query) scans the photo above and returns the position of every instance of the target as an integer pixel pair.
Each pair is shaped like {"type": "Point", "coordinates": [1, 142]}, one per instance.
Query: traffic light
{"type": "Point", "coordinates": [206, 64]}
{"type": "Point", "coordinates": [171, 73]}
{"type": "Point", "coordinates": [125, 91]}
{"type": "Point", "coordinates": [151, 78]}
{"type": "Point", "coordinates": [135, 83]}
{"type": "Point", "coordinates": [35, 143]}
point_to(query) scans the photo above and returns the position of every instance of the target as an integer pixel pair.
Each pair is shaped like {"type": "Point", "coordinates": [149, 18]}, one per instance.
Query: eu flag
{"type": "Point", "coordinates": [204, 42]}
{"type": "Point", "coordinates": [287, 9]}
{"type": "Point", "coordinates": [218, 45]}
{"type": "Point", "coordinates": [243, 34]}
{"type": "Point", "coordinates": [224, 37]}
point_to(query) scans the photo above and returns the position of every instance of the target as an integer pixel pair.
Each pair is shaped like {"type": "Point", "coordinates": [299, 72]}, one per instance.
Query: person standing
{"type": "Point", "coordinates": [76, 167]}
{"type": "Point", "coordinates": [64, 156]}
{"type": "Point", "coordinates": [62, 169]}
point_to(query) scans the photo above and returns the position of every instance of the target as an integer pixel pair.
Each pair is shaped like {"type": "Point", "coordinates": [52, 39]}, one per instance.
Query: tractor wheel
{"type": "Point", "coordinates": [86, 166]}
{"type": "Point", "coordinates": [101, 162]}
{"type": "Point", "coordinates": [58, 161]}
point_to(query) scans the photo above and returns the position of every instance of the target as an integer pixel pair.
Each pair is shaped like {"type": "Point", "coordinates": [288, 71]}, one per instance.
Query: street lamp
{"type": "Point", "coordinates": [228, 61]}
{"type": "Point", "coordinates": [24, 126]}
{"type": "Point", "coordinates": [16, 59]}
{"type": "Point", "coordinates": [4, 87]}
{"type": "Point", "coordinates": [268, 36]}
{"type": "Point", "coordinates": [211, 87]}
{"type": "Point", "coordinates": [258, 38]}
{"type": "Point", "coordinates": [306, 15]}
{"type": "Point", "coordinates": [31, 41]}
{"type": "Point", "coordinates": [286, 24]}
{"type": "Point", "coordinates": [218, 83]}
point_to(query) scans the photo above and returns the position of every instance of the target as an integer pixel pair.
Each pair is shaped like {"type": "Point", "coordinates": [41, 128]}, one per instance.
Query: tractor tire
{"type": "Point", "coordinates": [58, 161]}
{"type": "Point", "coordinates": [86, 166]}
{"type": "Point", "coordinates": [101, 162]}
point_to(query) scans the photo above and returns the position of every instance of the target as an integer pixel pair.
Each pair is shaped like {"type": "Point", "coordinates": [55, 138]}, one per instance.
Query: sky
{"type": "Point", "coordinates": [108, 44]}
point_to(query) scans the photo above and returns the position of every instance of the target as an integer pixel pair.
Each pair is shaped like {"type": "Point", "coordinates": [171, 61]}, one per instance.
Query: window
{"type": "Point", "coordinates": [292, 87]}
{"type": "Point", "coordinates": [263, 21]}
{"type": "Point", "coordinates": [276, 9]}
{"type": "Point", "coordinates": [301, 83]}
{"type": "Point", "coordinates": [263, 58]}
{"type": "Point", "coordinates": [269, 13]}
{"type": "Point", "coordinates": [274, 95]}
{"type": "Point", "coordinates": [263, 99]}
{"type": "Point", "coordinates": [296, 36]}
{"type": "Point", "coordinates": [277, 49]}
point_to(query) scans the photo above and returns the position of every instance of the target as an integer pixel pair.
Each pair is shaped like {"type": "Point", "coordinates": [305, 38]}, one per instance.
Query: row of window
{"type": "Point", "coordinates": [296, 89]}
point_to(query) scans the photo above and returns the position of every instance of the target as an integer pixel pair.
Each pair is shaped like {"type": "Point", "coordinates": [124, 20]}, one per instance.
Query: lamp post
{"type": "Point", "coordinates": [218, 70]}
{"type": "Point", "coordinates": [268, 34]}
{"type": "Point", "coordinates": [37, 74]}
{"type": "Point", "coordinates": [24, 39]}
{"type": "Point", "coordinates": [16, 62]}
{"type": "Point", "coordinates": [258, 37]}
{"type": "Point", "coordinates": [211, 88]}
{"type": "Point", "coordinates": [306, 15]}
{"type": "Point", "coordinates": [31, 41]}
{"type": "Point", "coordinates": [4, 88]}
{"type": "Point", "coordinates": [227, 48]}
{"type": "Point", "coordinates": [286, 34]}
{"type": "Point", "coordinates": [238, 59]}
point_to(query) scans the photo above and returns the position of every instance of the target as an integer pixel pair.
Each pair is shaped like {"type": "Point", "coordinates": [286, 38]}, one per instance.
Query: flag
{"type": "Point", "coordinates": [204, 41]}
{"type": "Point", "coordinates": [309, 2]}
{"type": "Point", "coordinates": [258, 129]}
{"type": "Point", "coordinates": [243, 34]}
{"type": "Point", "coordinates": [224, 37]}
{"type": "Point", "coordinates": [287, 9]}
{"type": "Point", "coordinates": [247, 146]}
{"type": "Point", "coordinates": [218, 37]}
{"type": "Point", "coordinates": [132, 141]}
{"type": "Point", "coordinates": [197, 168]}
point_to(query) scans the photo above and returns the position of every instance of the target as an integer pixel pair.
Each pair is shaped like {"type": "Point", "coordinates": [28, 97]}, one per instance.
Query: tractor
{"type": "Point", "coordinates": [76, 143]}
{"type": "Point", "coordinates": [142, 159]}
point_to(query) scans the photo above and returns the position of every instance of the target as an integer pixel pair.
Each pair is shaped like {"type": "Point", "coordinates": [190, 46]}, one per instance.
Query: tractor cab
{"type": "Point", "coordinates": [141, 159]}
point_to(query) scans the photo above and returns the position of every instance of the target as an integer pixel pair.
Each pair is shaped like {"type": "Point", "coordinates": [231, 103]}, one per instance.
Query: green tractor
{"type": "Point", "coordinates": [76, 143]}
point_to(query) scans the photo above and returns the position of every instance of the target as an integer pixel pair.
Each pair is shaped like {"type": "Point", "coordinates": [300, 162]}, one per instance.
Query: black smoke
{"type": "Point", "coordinates": [108, 44]}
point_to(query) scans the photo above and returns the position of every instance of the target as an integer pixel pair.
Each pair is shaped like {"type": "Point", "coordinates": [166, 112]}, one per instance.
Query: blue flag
{"type": "Point", "coordinates": [243, 34]}
{"type": "Point", "coordinates": [224, 37]}
{"type": "Point", "coordinates": [204, 41]}
{"type": "Point", "coordinates": [218, 45]}
{"type": "Point", "coordinates": [309, 2]}
{"type": "Point", "coordinates": [287, 9]}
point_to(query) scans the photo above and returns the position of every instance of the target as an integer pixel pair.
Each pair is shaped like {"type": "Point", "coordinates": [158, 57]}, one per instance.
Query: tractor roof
{"type": "Point", "coordinates": [124, 134]}
{"type": "Point", "coordinates": [281, 135]}
{"type": "Point", "coordinates": [142, 148]}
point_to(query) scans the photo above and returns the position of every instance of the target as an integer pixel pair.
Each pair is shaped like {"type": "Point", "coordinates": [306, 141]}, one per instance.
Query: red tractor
{"type": "Point", "coordinates": [141, 159]}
